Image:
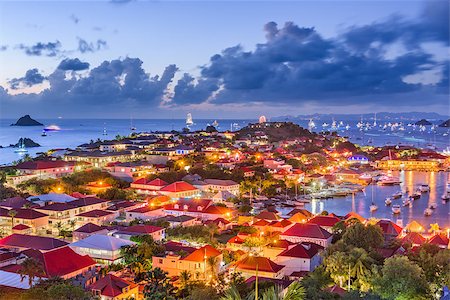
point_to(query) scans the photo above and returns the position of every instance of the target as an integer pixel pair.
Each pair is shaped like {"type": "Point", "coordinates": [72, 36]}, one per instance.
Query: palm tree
{"type": "Point", "coordinates": [294, 292]}
{"type": "Point", "coordinates": [185, 277]}
{"type": "Point", "coordinates": [58, 225]}
{"type": "Point", "coordinates": [12, 213]}
{"type": "Point", "coordinates": [434, 228]}
{"type": "Point", "coordinates": [361, 269]}
{"type": "Point", "coordinates": [30, 268]}
{"type": "Point", "coordinates": [72, 224]}
{"type": "Point", "coordinates": [212, 263]}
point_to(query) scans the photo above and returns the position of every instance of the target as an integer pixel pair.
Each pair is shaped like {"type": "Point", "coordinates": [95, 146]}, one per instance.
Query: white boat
{"type": "Point", "coordinates": [406, 202]}
{"type": "Point", "coordinates": [325, 125]}
{"type": "Point", "coordinates": [215, 123]}
{"type": "Point", "coordinates": [21, 148]}
{"type": "Point", "coordinates": [416, 195]}
{"type": "Point", "coordinates": [433, 206]}
{"type": "Point", "coordinates": [373, 207]}
{"type": "Point", "coordinates": [311, 124]}
{"type": "Point", "coordinates": [424, 188]}
{"type": "Point", "coordinates": [334, 125]}
{"type": "Point", "coordinates": [189, 121]}
{"type": "Point", "coordinates": [44, 133]}
{"type": "Point", "coordinates": [52, 128]}
{"type": "Point", "coordinates": [445, 197]}
{"type": "Point", "coordinates": [347, 127]}
{"type": "Point", "coordinates": [388, 180]}
{"type": "Point", "coordinates": [396, 209]}
{"type": "Point", "coordinates": [388, 201]}
{"type": "Point", "coordinates": [428, 212]}
{"type": "Point", "coordinates": [397, 195]}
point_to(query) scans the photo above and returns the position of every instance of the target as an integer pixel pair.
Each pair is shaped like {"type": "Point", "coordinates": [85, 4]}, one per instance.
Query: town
{"type": "Point", "coordinates": [217, 215]}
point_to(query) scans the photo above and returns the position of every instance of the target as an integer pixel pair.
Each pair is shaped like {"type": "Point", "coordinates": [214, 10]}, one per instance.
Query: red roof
{"type": "Point", "coordinates": [261, 222]}
{"type": "Point", "coordinates": [111, 286]}
{"type": "Point", "coordinates": [389, 227]}
{"type": "Point", "coordinates": [192, 205]}
{"type": "Point", "coordinates": [62, 261]}
{"type": "Point", "coordinates": [154, 182]}
{"type": "Point", "coordinates": [144, 229]}
{"type": "Point", "coordinates": [280, 224]}
{"type": "Point", "coordinates": [179, 186]}
{"type": "Point", "coordinates": [439, 239]}
{"type": "Point", "coordinates": [21, 227]}
{"type": "Point", "coordinates": [24, 213]}
{"type": "Point", "coordinates": [31, 241]}
{"type": "Point", "coordinates": [236, 240]}
{"type": "Point", "coordinates": [303, 250]}
{"type": "Point", "coordinates": [96, 213]}
{"type": "Point", "coordinates": [44, 164]}
{"type": "Point", "coordinates": [280, 244]}
{"type": "Point", "coordinates": [199, 254]}
{"type": "Point", "coordinates": [264, 264]}
{"type": "Point", "coordinates": [217, 210]}
{"type": "Point", "coordinates": [307, 230]}
{"type": "Point", "coordinates": [89, 228]}
{"type": "Point", "coordinates": [267, 215]}
{"type": "Point", "coordinates": [87, 201]}
{"type": "Point", "coordinates": [326, 221]}
{"type": "Point", "coordinates": [414, 238]}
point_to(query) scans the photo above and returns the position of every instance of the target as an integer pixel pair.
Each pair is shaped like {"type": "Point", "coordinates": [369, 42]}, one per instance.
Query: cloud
{"type": "Point", "coordinates": [42, 49]}
{"type": "Point", "coordinates": [3, 47]}
{"type": "Point", "coordinates": [84, 46]}
{"type": "Point", "coordinates": [74, 18]}
{"type": "Point", "coordinates": [31, 78]}
{"type": "Point", "coordinates": [73, 65]}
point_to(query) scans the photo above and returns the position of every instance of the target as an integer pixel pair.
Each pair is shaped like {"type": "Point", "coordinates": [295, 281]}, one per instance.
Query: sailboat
{"type": "Point", "coordinates": [133, 128]}
{"type": "Point", "coordinates": [21, 148]}
{"type": "Point", "coordinates": [334, 125]}
{"type": "Point", "coordinates": [375, 120]}
{"type": "Point", "coordinates": [311, 124]}
{"type": "Point", "coordinates": [44, 133]}
{"type": "Point", "coordinates": [104, 130]}
{"type": "Point", "coordinates": [189, 121]}
{"type": "Point", "coordinates": [373, 207]}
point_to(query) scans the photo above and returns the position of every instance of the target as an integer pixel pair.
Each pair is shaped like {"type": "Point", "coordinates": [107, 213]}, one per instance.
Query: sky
{"type": "Point", "coordinates": [222, 59]}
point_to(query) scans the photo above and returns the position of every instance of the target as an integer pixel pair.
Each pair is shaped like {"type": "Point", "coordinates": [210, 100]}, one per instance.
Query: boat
{"type": "Point", "coordinates": [21, 148]}
{"type": "Point", "coordinates": [396, 209]}
{"type": "Point", "coordinates": [189, 121]}
{"type": "Point", "coordinates": [428, 212]}
{"type": "Point", "coordinates": [397, 195]}
{"type": "Point", "coordinates": [445, 197]}
{"type": "Point", "coordinates": [388, 201]}
{"type": "Point", "coordinates": [311, 124]}
{"type": "Point", "coordinates": [416, 195]}
{"type": "Point", "coordinates": [44, 133]}
{"type": "Point", "coordinates": [325, 125]}
{"type": "Point", "coordinates": [424, 188]}
{"type": "Point", "coordinates": [334, 125]}
{"type": "Point", "coordinates": [215, 123]}
{"type": "Point", "coordinates": [52, 128]}
{"type": "Point", "coordinates": [407, 202]}
{"type": "Point", "coordinates": [388, 180]}
{"type": "Point", "coordinates": [373, 207]}
{"type": "Point", "coordinates": [433, 206]}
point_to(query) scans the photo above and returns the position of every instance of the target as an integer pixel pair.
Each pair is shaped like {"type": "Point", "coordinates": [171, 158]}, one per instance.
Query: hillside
{"type": "Point", "coordinates": [275, 131]}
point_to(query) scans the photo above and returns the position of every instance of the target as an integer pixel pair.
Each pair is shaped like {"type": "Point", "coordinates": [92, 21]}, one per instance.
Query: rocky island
{"type": "Point", "coordinates": [445, 124]}
{"type": "Point", "coordinates": [27, 121]}
{"type": "Point", "coordinates": [423, 122]}
{"type": "Point", "coordinates": [25, 142]}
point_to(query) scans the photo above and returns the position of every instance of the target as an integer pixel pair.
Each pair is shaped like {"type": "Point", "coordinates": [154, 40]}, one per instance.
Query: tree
{"type": "Point", "coordinates": [213, 263]}
{"type": "Point", "coordinates": [30, 268]}
{"type": "Point", "coordinates": [367, 237]}
{"type": "Point", "coordinates": [59, 226]}
{"type": "Point", "coordinates": [12, 213]}
{"type": "Point", "coordinates": [72, 224]}
{"type": "Point", "coordinates": [56, 289]}
{"type": "Point", "coordinates": [315, 282]}
{"type": "Point", "coordinates": [401, 279]}
{"type": "Point", "coordinates": [158, 286]}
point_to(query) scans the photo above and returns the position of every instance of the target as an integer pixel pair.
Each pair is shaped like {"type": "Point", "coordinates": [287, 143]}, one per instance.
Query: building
{"type": "Point", "coordinates": [259, 266]}
{"type": "Point", "coordinates": [100, 159]}
{"type": "Point", "coordinates": [87, 230]}
{"type": "Point", "coordinates": [312, 233]}
{"type": "Point", "coordinates": [196, 263]}
{"type": "Point", "coordinates": [112, 287]}
{"type": "Point", "coordinates": [301, 257]}
{"type": "Point", "coordinates": [217, 185]}
{"type": "Point", "coordinates": [180, 189]}
{"type": "Point", "coordinates": [202, 209]}
{"type": "Point", "coordinates": [20, 242]}
{"type": "Point", "coordinates": [46, 168]}
{"type": "Point", "coordinates": [326, 222]}
{"type": "Point", "coordinates": [142, 185]}
{"type": "Point", "coordinates": [156, 232]}
{"type": "Point", "coordinates": [104, 249]}
{"type": "Point", "coordinates": [408, 165]}
{"type": "Point", "coordinates": [145, 213]}
{"type": "Point", "coordinates": [97, 216]}
{"type": "Point", "coordinates": [36, 221]}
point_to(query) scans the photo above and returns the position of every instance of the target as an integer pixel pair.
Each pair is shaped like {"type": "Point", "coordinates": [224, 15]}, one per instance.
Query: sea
{"type": "Point", "coordinates": [74, 132]}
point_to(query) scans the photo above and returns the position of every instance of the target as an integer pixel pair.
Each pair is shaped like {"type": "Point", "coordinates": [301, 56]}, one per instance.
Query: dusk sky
{"type": "Point", "coordinates": [228, 59]}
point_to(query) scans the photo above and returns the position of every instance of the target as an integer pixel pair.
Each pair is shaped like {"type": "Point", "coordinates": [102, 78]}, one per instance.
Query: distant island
{"type": "Point", "coordinates": [27, 121]}
{"type": "Point", "coordinates": [445, 124]}
{"type": "Point", "coordinates": [423, 122]}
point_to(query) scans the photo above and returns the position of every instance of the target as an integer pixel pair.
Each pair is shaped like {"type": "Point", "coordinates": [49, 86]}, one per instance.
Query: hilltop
{"type": "Point", "coordinates": [27, 121]}
{"type": "Point", "coordinates": [275, 131]}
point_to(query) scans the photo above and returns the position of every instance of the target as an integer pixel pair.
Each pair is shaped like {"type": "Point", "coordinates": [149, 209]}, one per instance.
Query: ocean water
{"type": "Point", "coordinates": [78, 131]}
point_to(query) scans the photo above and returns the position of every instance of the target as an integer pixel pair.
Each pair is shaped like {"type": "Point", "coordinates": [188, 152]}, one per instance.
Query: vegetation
{"type": "Point", "coordinates": [158, 285]}
{"type": "Point", "coordinates": [197, 233]}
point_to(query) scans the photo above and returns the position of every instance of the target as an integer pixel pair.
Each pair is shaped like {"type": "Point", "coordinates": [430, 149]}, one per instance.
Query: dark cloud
{"type": "Point", "coordinates": [3, 47]}
{"type": "Point", "coordinates": [187, 91]}
{"type": "Point", "coordinates": [42, 49]}
{"type": "Point", "coordinates": [31, 78]}
{"type": "Point", "coordinates": [74, 64]}
{"type": "Point", "coordinates": [74, 18]}
{"type": "Point", "coordinates": [84, 46]}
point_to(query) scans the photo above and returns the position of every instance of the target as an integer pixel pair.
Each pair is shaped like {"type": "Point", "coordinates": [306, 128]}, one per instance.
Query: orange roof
{"type": "Point", "coordinates": [179, 186]}
{"type": "Point", "coordinates": [439, 239]}
{"type": "Point", "coordinates": [353, 215]}
{"type": "Point", "coordinates": [267, 215]}
{"type": "Point", "coordinates": [298, 218]}
{"type": "Point", "coordinates": [261, 222]}
{"type": "Point", "coordinates": [280, 224]}
{"type": "Point", "coordinates": [263, 263]}
{"type": "Point", "coordinates": [236, 240]}
{"type": "Point", "coordinates": [199, 254]}
{"type": "Point", "coordinates": [111, 286]}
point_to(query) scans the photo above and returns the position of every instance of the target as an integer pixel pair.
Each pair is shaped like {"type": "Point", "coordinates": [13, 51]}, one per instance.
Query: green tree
{"type": "Point", "coordinates": [367, 237]}
{"type": "Point", "coordinates": [158, 286]}
{"type": "Point", "coordinates": [12, 213]}
{"type": "Point", "coordinates": [30, 268]}
{"type": "Point", "coordinates": [401, 279]}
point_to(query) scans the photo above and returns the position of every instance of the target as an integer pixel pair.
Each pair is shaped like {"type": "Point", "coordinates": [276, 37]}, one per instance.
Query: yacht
{"type": "Point", "coordinates": [396, 209]}
{"type": "Point", "coordinates": [373, 207]}
{"type": "Point", "coordinates": [21, 148]}
{"type": "Point", "coordinates": [406, 202]}
{"type": "Point", "coordinates": [44, 133]}
{"type": "Point", "coordinates": [388, 201]}
{"type": "Point", "coordinates": [388, 180]}
{"type": "Point", "coordinates": [424, 188]}
{"type": "Point", "coordinates": [347, 127]}
{"type": "Point", "coordinates": [334, 125]}
{"type": "Point", "coordinates": [324, 125]}
{"type": "Point", "coordinates": [428, 212]}
{"type": "Point", "coordinates": [311, 124]}
{"type": "Point", "coordinates": [189, 121]}
{"type": "Point", "coordinates": [397, 195]}
{"type": "Point", "coordinates": [52, 128]}
{"type": "Point", "coordinates": [215, 123]}
{"type": "Point", "coordinates": [416, 195]}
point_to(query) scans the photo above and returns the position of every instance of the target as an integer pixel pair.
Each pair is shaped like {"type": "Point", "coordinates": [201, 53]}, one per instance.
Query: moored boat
{"type": "Point", "coordinates": [388, 201]}
{"type": "Point", "coordinates": [396, 209]}
{"type": "Point", "coordinates": [428, 212]}
{"type": "Point", "coordinates": [424, 188]}
{"type": "Point", "coordinates": [397, 195]}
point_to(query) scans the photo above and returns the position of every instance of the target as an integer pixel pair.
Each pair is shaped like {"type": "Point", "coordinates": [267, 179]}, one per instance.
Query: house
{"type": "Point", "coordinates": [97, 216]}
{"type": "Point", "coordinates": [441, 240]}
{"type": "Point", "coordinates": [301, 257]}
{"type": "Point", "coordinates": [180, 189]}
{"type": "Point", "coordinates": [104, 249]}
{"type": "Point", "coordinates": [36, 221]}
{"type": "Point", "coordinates": [87, 230]}
{"type": "Point", "coordinates": [220, 223]}
{"type": "Point", "coordinates": [20, 242]}
{"type": "Point", "coordinates": [268, 216]}
{"type": "Point", "coordinates": [145, 213]}
{"type": "Point", "coordinates": [202, 209]}
{"type": "Point", "coordinates": [261, 266]}
{"type": "Point", "coordinates": [307, 233]}
{"type": "Point", "coordinates": [217, 185]}
{"type": "Point", "coordinates": [352, 215]}
{"type": "Point", "coordinates": [414, 238]}
{"type": "Point", "coordinates": [122, 207]}
{"type": "Point", "coordinates": [197, 263]}
{"type": "Point", "coordinates": [112, 287]}
{"type": "Point", "coordinates": [326, 222]}
{"type": "Point", "coordinates": [16, 202]}
{"type": "Point", "coordinates": [156, 232]}
{"type": "Point", "coordinates": [62, 213]}
{"type": "Point", "coordinates": [89, 203]}
{"type": "Point", "coordinates": [46, 168]}
{"type": "Point", "coordinates": [390, 229]}
{"type": "Point", "coordinates": [50, 198]}
{"type": "Point", "coordinates": [275, 247]}
{"type": "Point", "coordinates": [99, 158]}
{"type": "Point", "coordinates": [142, 185]}
{"type": "Point", "coordinates": [183, 220]}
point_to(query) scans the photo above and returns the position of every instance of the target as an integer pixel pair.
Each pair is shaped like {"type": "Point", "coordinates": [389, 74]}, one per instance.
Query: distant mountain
{"type": "Point", "coordinates": [445, 124]}
{"type": "Point", "coordinates": [382, 116]}
{"type": "Point", "coordinates": [423, 122]}
{"type": "Point", "coordinates": [25, 142]}
{"type": "Point", "coordinates": [27, 121]}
